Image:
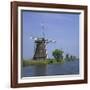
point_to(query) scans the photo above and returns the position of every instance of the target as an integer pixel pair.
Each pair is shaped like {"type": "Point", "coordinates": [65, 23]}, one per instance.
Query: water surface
{"type": "Point", "coordinates": [67, 68]}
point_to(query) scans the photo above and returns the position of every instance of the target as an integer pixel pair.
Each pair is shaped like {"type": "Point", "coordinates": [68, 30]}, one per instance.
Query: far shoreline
{"type": "Point", "coordinates": [44, 62]}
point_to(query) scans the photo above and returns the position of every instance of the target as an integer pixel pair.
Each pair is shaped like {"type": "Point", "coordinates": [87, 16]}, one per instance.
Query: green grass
{"type": "Point", "coordinates": [44, 62]}
{"type": "Point", "coordinates": [39, 62]}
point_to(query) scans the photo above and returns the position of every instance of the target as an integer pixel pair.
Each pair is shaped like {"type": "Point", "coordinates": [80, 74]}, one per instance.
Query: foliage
{"type": "Point", "coordinates": [70, 57]}
{"type": "Point", "coordinates": [41, 62]}
{"type": "Point", "coordinates": [58, 54]}
{"type": "Point", "coordinates": [67, 58]}
{"type": "Point", "coordinates": [58, 59]}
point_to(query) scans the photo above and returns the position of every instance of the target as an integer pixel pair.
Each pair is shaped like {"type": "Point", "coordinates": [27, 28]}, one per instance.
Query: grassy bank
{"type": "Point", "coordinates": [39, 62]}
{"type": "Point", "coordinates": [45, 62]}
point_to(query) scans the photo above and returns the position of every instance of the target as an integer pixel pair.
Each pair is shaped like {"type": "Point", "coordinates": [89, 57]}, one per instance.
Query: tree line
{"type": "Point", "coordinates": [58, 55]}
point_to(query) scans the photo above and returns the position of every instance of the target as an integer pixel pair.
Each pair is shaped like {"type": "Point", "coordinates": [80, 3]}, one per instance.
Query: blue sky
{"type": "Point", "coordinates": [61, 27]}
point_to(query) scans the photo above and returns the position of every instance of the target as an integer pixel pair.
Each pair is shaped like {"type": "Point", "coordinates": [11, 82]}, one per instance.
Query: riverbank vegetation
{"type": "Point", "coordinates": [58, 59]}
{"type": "Point", "coordinates": [39, 62]}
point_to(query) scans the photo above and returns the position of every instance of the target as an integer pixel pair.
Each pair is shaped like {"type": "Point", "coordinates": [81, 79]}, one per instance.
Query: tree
{"type": "Point", "coordinates": [58, 54]}
{"type": "Point", "coordinates": [67, 57]}
{"type": "Point", "coordinates": [71, 57]}
{"type": "Point", "coordinates": [74, 58]}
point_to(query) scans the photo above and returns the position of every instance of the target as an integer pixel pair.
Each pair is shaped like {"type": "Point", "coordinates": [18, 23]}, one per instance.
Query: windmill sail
{"type": "Point", "coordinates": [40, 51]}
{"type": "Point", "coordinates": [43, 29]}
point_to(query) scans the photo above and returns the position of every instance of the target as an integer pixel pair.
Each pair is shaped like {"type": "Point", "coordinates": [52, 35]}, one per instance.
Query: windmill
{"type": "Point", "coordinates": [40, 51]}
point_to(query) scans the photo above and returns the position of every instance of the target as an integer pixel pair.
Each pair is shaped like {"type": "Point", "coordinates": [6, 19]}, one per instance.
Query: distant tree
{"type": "Point", "coordinates": [74, 58]}
{"type": "Point", "coordinates": [67, 58]}
{"type": "Point", "coordinates": [58, 54]}
{"type": "Point", "coordinates": [71, 57]}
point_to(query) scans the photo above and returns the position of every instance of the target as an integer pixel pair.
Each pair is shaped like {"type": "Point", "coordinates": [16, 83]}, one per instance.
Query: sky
{"type": "Point", "coordinates": [61, 27]}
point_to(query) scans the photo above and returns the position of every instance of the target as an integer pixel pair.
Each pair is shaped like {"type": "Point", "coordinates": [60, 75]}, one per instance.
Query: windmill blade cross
{"type": "Point", "coordinates": [33, 38]}
{"type": "Point", "coordinates": [52, 41]}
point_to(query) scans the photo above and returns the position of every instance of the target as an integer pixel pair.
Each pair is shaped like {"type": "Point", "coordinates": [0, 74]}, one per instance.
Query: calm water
{"type": "Point", "coordinates": [67, 68]}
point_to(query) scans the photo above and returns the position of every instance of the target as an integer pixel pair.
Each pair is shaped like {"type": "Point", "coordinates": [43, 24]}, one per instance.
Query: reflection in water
{"type": "Point", "coordinates": [40, 70]}
{"type": "Point", "coordinates": [67, 68]}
